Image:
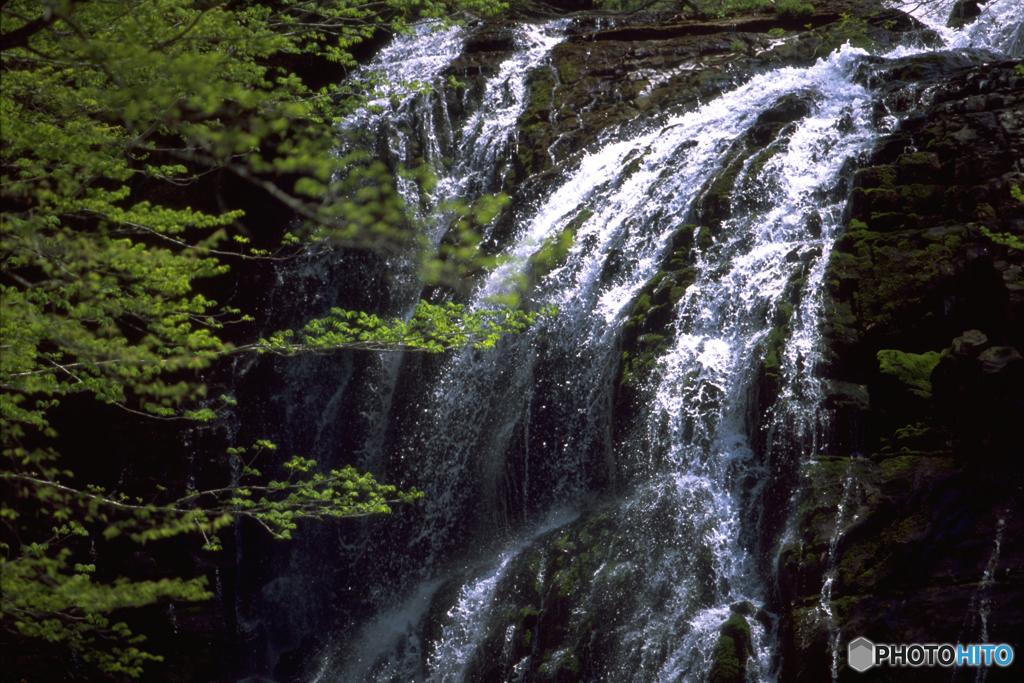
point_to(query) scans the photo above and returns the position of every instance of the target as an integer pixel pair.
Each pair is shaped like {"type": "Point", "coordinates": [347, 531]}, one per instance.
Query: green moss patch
{"type": "Point", "coordinates": [876, 177]}
{"type": "Point", "coordinates": [648, 330]}
{"type": "Point", "coordinates": [729, 658]}
{"type": "Point", "coordinates": [913, 371]}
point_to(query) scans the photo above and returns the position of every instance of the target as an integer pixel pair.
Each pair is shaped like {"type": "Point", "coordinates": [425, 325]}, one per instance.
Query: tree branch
{"type": "Point", "coordinates": [19, 37]}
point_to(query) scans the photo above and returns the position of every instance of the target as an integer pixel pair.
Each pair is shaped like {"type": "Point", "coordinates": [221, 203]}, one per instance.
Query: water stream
{"type": "Point", "coordinates": [500, 441]}
{"type": "Point", "coordinates": [690, 456]}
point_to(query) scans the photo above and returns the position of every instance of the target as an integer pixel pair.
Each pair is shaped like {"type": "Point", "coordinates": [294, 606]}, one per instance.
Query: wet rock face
{"type": "Point", "coordinates": [910, 529]}
{"type": "Point", "coordinates": [977, 390]}
{"type": "Point", "coordinates": [912, 517]}
{"type": "Point", "coordinates": [617, 75]}
{"type": "Point", "coordinates": [910, 525]}
{"type": "Point", "coordinates": [565, 603]}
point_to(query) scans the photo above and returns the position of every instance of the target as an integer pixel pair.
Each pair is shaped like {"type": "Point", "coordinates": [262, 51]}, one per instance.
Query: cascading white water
{"type": "Point", "coordinates": [702, 391]}
{"type": "Point", "coordinates": [550, 390]}
{"type": "Point", "coordinates": [412, 126]}
{"type": "Point", "coordinates": [999, 27]}
{"type": "Point", "coordinates": [724, 317]}
{"type": "Point", "coordinates": [467, 160]}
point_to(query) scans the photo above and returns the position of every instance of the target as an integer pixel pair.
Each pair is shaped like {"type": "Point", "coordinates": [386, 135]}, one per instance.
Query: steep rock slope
{"type": "Point", "coordinates": [907, 525]}
{"type": "Point", "coordinates": [890, 532]}
{"type": "Point", "coordinates": [910, 530]}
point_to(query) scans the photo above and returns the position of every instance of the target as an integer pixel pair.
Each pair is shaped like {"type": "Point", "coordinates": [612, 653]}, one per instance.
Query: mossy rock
{"type": "Point", "coordinates": [716, 202]}
{"type": "Point", "coordinates": [882, 556]}
{"type": "Point", "coordinates": [866, 202]}
{"type": "Point", "coordinates": [548, 603]}
{"type": "Point", "coordinates": [704, 238]}
{"type": "Point", "coordinates": [540, 100]}
{"type": "Point", "coordinates": [732, 650]}
{"type": "Point", "coordinates": [826, 485]}
{"type": "Point", "coordinates": [899, 287]}
{"type": "Point", "coordinates": [877, 529]}
{"type": "Point", "coordinates": [912, 371]}
{"type": "Point", "coordinates": [917, 438]}
{"type": "Point", "coordinates": [648, 331]}
{"type": "Point", "coordinates": [569, 68]}
{"type": "Point", "coordinates": [876, 177]}
{"type": "Point", "coordinates": [811, 651]}
{"type": "Point", "coordinates": [560, 666]}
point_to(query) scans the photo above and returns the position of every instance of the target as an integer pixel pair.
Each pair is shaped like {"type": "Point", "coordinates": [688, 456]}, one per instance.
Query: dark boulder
{"type": "Point", "coordinates": [964, 12]}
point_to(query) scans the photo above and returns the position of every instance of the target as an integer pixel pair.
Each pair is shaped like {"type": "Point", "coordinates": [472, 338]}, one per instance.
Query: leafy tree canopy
{"type": "Point", "coordinates": [97, 296]}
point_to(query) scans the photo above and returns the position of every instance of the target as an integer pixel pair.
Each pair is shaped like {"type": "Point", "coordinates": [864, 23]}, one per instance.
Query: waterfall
{"type": "Point", "coordinates": [535, 462]}
{"type": "Point", "coordinates": [691, 454]}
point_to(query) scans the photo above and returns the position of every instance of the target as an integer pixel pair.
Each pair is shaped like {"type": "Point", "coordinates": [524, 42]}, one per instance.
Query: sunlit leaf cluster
{"type": "Point", "coordinates": [432, 328]}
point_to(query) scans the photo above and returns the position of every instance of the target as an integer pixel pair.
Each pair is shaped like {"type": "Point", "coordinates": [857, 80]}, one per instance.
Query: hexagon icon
{"type": "Point", "coordinates": [861, 654]}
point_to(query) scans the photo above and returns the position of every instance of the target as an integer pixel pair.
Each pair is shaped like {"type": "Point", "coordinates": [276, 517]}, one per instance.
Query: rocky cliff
{"type": "Point", "coordinates": [907, 526]}
{"type": "Point", "coordinates": [904, 526]}
{"type": "Point", "coordinates": [913, 519]}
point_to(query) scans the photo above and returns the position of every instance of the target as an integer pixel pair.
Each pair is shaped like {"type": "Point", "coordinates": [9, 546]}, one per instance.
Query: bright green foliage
{"type": "Point", "coordinates": [727, 7]}
{"type": "Point", "coordinates": [431, 328]}
{"type": "Point", "coordinates": [341, 493]}
{"type": "Point", "coordinates": [42, 599]}
{"type": "Point", "coordinates": [462, 239]}
{"type": "Point", "coordinates": [45, 596]}
{"type": "Point", "coordinates": [100, 101]}
{"type": "Point", "coordinates": [1004, 238]}
{"type": "Point", "coordinates": [98, 94]}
